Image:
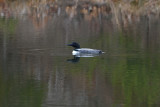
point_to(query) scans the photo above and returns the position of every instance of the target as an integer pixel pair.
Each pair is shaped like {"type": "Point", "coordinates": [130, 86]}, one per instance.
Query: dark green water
{"type": "Point", "coordinates": [35, 71]}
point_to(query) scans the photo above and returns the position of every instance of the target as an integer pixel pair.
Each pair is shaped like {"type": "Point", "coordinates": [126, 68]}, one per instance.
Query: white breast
{"type": "Point", "coordinates": [75, 52]}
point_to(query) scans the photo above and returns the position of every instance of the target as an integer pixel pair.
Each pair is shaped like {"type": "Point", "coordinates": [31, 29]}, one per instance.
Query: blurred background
{"type": "Point", "coordinates": [37, 68]}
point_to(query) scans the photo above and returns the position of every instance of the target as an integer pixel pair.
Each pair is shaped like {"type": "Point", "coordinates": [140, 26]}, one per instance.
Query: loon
{"type": "Point", "coordinates": [84, 52]}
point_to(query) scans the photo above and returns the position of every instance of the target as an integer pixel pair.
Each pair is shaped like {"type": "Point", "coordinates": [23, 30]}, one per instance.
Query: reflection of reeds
{"type": "Point", "coordinates": [115, 13]}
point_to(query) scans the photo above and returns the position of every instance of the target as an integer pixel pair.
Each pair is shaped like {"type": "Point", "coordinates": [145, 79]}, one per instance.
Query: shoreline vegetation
{"type": "Point", "coordinates": [129, 7]}
{"type": "Point", "coordinates": [121, 12]}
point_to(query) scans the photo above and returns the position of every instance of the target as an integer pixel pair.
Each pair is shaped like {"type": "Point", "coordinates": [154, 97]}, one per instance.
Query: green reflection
{"type": "Point", "coordinates": [132, 69]}
{"type": "Point", "coordinates": [16, 91]}
{"type": "Point", "coordinates": [8, 26]}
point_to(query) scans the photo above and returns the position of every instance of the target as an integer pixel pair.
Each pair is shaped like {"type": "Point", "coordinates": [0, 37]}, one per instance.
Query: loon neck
{"type": "Point", "coordinates": [76, 48]}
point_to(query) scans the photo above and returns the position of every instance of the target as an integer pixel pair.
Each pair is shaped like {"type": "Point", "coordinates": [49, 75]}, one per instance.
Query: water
{"type": "Point", "coordinates": [37, 68]}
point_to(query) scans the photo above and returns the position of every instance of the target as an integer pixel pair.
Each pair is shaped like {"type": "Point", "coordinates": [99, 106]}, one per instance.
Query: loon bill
{"type": "Point", "coordinates": [84, 52]}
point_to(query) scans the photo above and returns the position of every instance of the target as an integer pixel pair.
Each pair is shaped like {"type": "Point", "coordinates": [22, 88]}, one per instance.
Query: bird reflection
{"type": "Point", "coordinates": [76, 58]}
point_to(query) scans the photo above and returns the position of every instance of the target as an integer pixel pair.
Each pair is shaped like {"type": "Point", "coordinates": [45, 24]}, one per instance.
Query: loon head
{"type": "Point", "coordinates": [75, 45]}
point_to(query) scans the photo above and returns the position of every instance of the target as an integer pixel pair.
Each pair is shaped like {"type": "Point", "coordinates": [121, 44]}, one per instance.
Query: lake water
{"type": "Point", "coordinates": [37, 68]}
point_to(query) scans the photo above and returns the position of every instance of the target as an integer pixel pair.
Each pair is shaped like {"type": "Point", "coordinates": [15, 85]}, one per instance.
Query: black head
{"type": "Point", "coordinates": [75, 45]}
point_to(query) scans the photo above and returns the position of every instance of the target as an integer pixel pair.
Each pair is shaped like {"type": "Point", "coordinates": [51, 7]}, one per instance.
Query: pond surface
{"type": "Point", "coordinates": [37, 68]}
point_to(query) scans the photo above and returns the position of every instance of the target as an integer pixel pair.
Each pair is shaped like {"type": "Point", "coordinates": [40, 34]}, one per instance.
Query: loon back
{"type": "Point", "coordinates": [87, 51]}
{"type": "Point", "coordinates": [84, 52]}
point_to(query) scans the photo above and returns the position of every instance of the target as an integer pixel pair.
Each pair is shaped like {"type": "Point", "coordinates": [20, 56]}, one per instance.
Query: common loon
{"type": "Point", "coordinates": [84, 52]}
